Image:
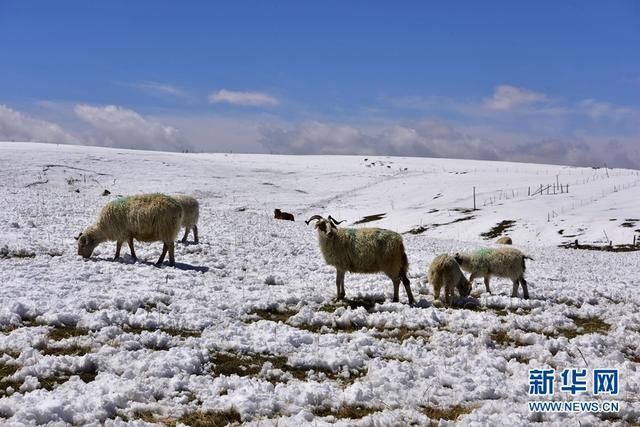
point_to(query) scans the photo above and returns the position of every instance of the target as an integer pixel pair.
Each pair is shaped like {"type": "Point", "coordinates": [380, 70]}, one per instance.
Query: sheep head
{"type": "Point", "coordinates": [86, 245]}
{"type": "Point", "coordinates": [325, 226]}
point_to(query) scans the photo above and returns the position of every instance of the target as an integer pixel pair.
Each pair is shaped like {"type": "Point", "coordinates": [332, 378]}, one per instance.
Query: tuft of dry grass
{"type": "Point", "coordinates": [274, 315]}
{"type": "Point", "coordinates": [250, 365]}
{"type": "Point", "coordinates": [450, 413]}
{"type": "Point", "coordinates": [57, 333]}
{"type": "Point", "coordinates": [5, 383]}
{"type": "Point", "coordinates": [74, 350]}
{"type": "Point", "coordinates": [195, 419]}
{"type": "Point", "coordinates": [584, 326]}
{"type": "Point", "coordinates": [501, 337]}
{"type": "Point", "coordinates": [345, 411]}
{"type": "Point", "coordinates": [498, 229]}
{"type": "Point", "coordinates": [174, 332]}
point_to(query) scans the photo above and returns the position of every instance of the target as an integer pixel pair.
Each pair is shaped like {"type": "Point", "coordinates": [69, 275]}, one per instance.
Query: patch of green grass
{"type": "Point", "coordinates": [345, 411]}
{"type": "Point", "coordinates": [450, 413]}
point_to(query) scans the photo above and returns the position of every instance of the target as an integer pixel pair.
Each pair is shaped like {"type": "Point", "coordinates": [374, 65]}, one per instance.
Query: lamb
{"type": "Point", "coordinates": [145, 217]}
{"type": "Point", "coordinates": [278, 214]}
{"type": "Point", "coordinates": [500, 262]}
{"type": "Point", "coordinates": [191, 213]}
{"type": "Point", "coordinates": [504, 240]}
{"type": "Point", "coordinates": [445, 271]}
{"type": "Point", "coordinates": [363, 250]}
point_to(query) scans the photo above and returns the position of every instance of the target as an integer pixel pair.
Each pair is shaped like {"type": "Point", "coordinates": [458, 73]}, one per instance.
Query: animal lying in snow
{"type": "Point", "coordinates": [499, 262]}
{"type": "Point", "coordinates": [191, 214]}
{"type": "Point", "coordinates": [363, 250]}
{"type": "Point", "coordinates": [445, 272]}
{"type": "Point", "coordinates": [278, 214]}
{"type": "Point", "coordinates": [146, 217]}
{"type": "Point", "coordinates": [504, 240]}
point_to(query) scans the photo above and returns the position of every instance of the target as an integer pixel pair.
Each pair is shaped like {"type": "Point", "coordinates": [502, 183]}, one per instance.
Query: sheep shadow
{"type": "Point", "coordinates": [130, 261]}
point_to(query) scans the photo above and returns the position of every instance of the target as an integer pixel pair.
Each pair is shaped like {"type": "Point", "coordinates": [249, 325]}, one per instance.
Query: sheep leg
{"type": "Point", "coordinates": [162, 255]}
{"type": "Point", "coordinates": [407, 287]}
{"type": "Point", "coordinates": [133, 251]}
{"type": "Point", "coordinates": [396, 289]}
{"type": "Point", "coordinates": [340, 284]}
{"type": "Point", "coordinates": [118, 246]}
{"type": "Point", "coordinates": [195, 233]}
{"type": "Point", "coordinates": [436, 290]}
{"type": "Point", "coordinates": [514, 292]}
{"type": "Point", "coordinates": [186, 233]}
{"type": "Point", "coordinates": [525, 290]}
{"type": "Point", "coordinates": [172, 259]}
{"type": "Point", "coordinates": [486, 283]}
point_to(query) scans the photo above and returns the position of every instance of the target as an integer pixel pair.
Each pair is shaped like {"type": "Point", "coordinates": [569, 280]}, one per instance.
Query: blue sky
{"type": "Point", "coordinates": [447, 79]}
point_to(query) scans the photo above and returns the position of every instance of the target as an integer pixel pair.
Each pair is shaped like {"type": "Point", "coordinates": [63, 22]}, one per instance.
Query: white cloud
{"type": "Point", "coordinates": [115, 126]}
{"type": "Point", "coordinates": [251, 99]}
{"type": "Point", "coordinates": [507, 98]}
{"type": "Point", "coordinates": [15, 126]}
{"type": "Point", "coordinates": [597, 110]}
{"type": "Point", "coordinates": [428, 138]}
{"type": "Point", "coordinates": [161, 89]}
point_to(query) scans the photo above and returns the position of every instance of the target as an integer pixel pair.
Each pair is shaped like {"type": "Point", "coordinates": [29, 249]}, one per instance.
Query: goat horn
{"type": "Point", "coordinates": [333, 220]}
{"type": "Point", "coordinates": [78, 236]}
{"type": "Point", "coordinates": [312, 218]}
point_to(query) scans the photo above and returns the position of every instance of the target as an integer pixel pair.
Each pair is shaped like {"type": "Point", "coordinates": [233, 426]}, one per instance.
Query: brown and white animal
{"type": "Point", "coordinates": [445, 272]}
{"type": "Point", "coordinates": [363, 250]}
{"type": "Point", "coordinates": [278, 214]}
{"type": "Point", "coordinates": [499, 262]}
{"type": "Point", "coordinates": [146, 217]}
{"type": "Point", "coordinates": [504, 240]}
{"type": "Point", "coordinates": [191, 214]}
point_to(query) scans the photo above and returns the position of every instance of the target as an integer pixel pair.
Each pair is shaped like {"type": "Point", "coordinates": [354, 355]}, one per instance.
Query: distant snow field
{"type": "Point", "coordinates": [246, 328]}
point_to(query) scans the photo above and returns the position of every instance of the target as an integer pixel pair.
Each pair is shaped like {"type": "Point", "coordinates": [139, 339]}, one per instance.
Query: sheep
{"type": "Point", "coordinates": [278, 214]}
{"type": "Point", "coordinates": [191, 213]}
{"type": "Point", "coordinates": [445, 271]}
{"type": "Point", "coordinates": [500, 262]}
{"type": "Point", "coordinates": [363, 250]}
{"type": "Point", "coordinates": [504, 240]}
{"type": "Point", "coordinates": [145, 217]}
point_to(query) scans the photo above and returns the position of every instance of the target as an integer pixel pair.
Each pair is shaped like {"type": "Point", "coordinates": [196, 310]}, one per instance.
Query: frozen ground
{"type": "Point", "coordinates": [246, 329]}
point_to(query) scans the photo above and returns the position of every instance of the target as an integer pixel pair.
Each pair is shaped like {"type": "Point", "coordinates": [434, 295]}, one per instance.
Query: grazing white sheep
{"type": "Point", "coordinates": [445, 272]}
{"type": "Point", "coordinates": [363, 250]}
{"type": "Point", "coordinates": [191, 214]}
{"type": "Point", "coordinates": [145, 217]}
{"type": "Point", "coordinates": [499, 262]}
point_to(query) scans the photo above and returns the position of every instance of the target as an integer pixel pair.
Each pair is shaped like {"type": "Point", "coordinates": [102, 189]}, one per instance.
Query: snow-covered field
{"type": "Point", "coordinates": [246, 328]}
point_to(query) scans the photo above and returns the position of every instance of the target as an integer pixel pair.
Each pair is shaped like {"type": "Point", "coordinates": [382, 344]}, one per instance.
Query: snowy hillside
{"type": "Point", "coordinates": [246, 327]}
